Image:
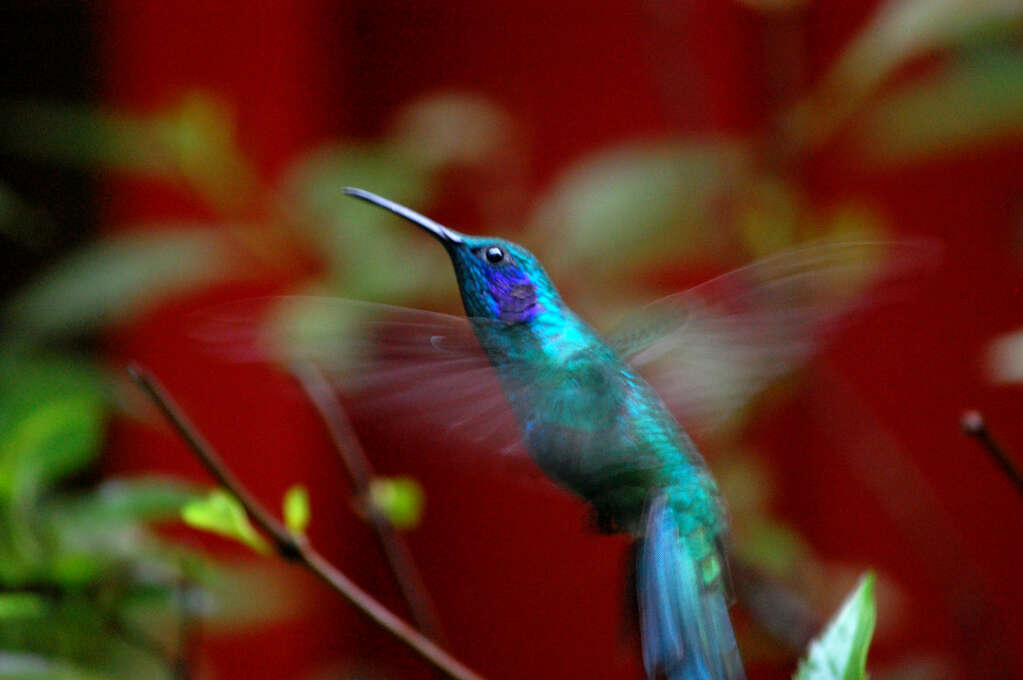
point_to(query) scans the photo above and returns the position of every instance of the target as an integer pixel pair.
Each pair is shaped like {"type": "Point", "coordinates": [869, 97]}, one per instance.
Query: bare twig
{"type": "Point", "coordinates": [973, 424]}
{"type": "Point", "coordinates": [188, 631]}
{"type": "Point", "coordinates": [360, 470]}
{"type": "Point", "coordinates": [292, 546]}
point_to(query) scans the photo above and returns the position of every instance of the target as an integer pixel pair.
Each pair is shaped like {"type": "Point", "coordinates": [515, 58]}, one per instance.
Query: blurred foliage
{"type": "Point", "coordinates": [899, 33]}
{"type": "Point", "coordinates": [113, 279]}
{"type": "Point", "coordinates": [760, 538]}
{"type": "Point", "coordinates": [921, 78]}
{"type": "Point", "coordinates": [840, 653]}
{"type": "Point", "coordinates": [20, 222]}
{"type": "Point", "coordinates": [191, 141]}
{"type": "Point", "coordinates": [400, 499]}
{"type": "Point", "coordinates": [73, 558]}
{"type": "Point", "coordinates": [975, 102]}
{"type": "Point", "coordinates": [87, 589]}
{"type": "Point", "coordinates": [642, 203]}
{"type": "Point", "coordinates": [296, 509]}
{"type": "Point", "coordinates": [1005, 358]}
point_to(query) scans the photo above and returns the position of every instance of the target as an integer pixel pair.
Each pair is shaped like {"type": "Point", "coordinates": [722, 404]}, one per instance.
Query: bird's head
{"type": "Point", "coordinates": [498, 279]}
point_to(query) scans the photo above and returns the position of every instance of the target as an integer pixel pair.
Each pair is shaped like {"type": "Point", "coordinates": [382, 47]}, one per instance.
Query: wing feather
{"type": "Point", "coordinates": [709, 351]}
{"type": "Point", "coordinates": [427, 364]}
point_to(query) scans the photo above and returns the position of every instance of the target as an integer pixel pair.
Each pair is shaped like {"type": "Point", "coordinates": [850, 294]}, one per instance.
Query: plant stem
{"type": "Point", "coordinates": [973, 424]}
{"type": "Point", "coordinates": [292, 546]}
{"type": "Point", "coordinates": [188, 631]}
{"type": "Point", "coordinates": [350, 450]}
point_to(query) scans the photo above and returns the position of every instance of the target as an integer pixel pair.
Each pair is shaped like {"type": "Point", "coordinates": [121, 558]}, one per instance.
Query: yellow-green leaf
{"type": "Point", "coordinates": [221, 513]}
{"type": "Point", "coordinates": [296, 508]}
{"type": "Point", "coordinates": [840, 652]}
{"type": "Point", "coordinates": [400, 499]}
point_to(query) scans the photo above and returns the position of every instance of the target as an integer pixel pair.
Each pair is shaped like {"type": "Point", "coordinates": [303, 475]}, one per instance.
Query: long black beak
{"type": "Point", "coordinates": [444, 234]}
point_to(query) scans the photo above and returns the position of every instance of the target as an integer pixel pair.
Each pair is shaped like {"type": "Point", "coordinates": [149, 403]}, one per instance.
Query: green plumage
{"type": "Point", "coordinates": [597, 429]}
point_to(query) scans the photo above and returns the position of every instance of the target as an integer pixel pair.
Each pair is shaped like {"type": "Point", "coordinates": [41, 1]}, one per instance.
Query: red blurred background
{"type": "Point", "coordinates": [522, 588]}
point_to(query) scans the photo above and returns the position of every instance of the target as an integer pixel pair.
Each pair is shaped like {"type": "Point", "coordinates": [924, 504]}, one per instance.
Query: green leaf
{"type": "Point", "coordinates": [296, 509]}
{"type": "Point", "coordinates": [192, 141]}
{"type": "Point", "coordinates": [113, 279]}
{"type": "Point", "coordinates": [54, 440]}
{"type": "Point", "coordinates": [643, 203]}
{"type": "Point", "coordinates": [21, 606]}
{"type": "Point", "coordinates": [898, 32]}
{"type": "Point", "coordinates": [221, 513]}
{"type": "Point", "coordinates": [840, 652]}
{"type": "Point", "coordinates": [30, 379]}
{"type": "Point", "coordinates": [400, 499]}
{"type": "Point", "coordinates": [52, 416]}
{"type": "Point", "coordinates": [973, 102]}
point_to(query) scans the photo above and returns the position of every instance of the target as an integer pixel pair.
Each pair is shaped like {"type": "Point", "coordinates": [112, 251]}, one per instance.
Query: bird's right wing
{"type": "Point", "coordinates": [427, 365]}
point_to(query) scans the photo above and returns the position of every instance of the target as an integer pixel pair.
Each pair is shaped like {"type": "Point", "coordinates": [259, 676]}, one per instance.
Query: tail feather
{"type": "Point", "coordinates": [687, 634]}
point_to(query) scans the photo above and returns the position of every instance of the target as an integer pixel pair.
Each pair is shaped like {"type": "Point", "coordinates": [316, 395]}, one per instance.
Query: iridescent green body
{"type": "Point", "coordinates": [596, 428]}
{"type": "Point", "coordinates": [587, 419]}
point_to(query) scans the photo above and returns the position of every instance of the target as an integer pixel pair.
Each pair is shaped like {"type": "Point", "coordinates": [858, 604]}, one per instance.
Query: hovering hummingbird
{"type": "Point", "coordinates": [596, 428]}
{"type": "Point", "coordinates": [586, 413]}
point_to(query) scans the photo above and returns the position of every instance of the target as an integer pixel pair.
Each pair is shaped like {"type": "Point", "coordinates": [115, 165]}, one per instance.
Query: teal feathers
{"type": "Point", "coordinates": [593, 411]}
{"type": "Point", "coordinates": [595, 427]}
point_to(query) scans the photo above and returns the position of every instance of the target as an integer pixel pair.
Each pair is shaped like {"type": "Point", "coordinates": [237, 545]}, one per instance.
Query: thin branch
{"type": "Point", "coordinates": [350, 450]}
{"type": "Point", "coordinates": [295, 547]}
{"type": "Point", "coordinates": [188, 630]}
{"type": "Point", "coordinates": [973, 424]}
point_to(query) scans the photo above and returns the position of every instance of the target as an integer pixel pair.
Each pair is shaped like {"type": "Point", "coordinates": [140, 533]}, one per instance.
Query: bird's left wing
{"type": "Point", "coordinates": [709, 351]}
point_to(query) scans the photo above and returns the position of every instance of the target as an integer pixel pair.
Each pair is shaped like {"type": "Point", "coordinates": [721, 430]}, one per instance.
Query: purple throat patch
{"type": "Point", "coordinates": [515, 297]}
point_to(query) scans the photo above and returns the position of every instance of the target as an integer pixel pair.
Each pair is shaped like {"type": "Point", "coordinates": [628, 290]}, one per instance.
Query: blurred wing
{"type": "Point", "coordinates": [426, 364]}
{"type": "Point", "coordinates": [711, 350]}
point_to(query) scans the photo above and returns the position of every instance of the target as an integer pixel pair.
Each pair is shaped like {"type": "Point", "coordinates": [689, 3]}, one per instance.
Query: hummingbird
{"type": "Point", "coordinates": [597, 428]}
{"type": "Point", "coordinates": [596, 413]}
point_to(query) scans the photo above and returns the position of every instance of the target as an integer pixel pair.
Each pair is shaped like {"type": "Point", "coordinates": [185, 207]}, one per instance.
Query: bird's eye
{"type": "Point", "coordinates": [493, 254]}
